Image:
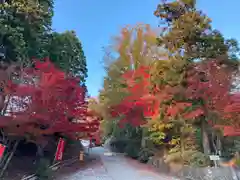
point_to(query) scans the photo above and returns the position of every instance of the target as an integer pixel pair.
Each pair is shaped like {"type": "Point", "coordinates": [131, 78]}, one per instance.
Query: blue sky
{"type": "Point", "coordinates": [96, 21]}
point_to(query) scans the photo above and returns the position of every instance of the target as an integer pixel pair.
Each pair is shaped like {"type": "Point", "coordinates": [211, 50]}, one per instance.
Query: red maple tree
{"type": "Point", "coordinates": [44, 100]}
{"type": "Point", "coordinates": [232, 114]}
{"type": "Point", "coordinates": [209, 82]}
{"type": "Point", "coordinates": [134, 106]}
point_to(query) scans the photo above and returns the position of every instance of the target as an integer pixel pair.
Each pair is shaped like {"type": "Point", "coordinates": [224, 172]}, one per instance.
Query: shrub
{"type": "Point", "coordinates": [132, 149]}
{"type": "Point", "coordinates": [188, 157]}
{"type": "Point", "coordinates": [43, 171]}
{"type": "Point", "coordinates": [144, 155]}
{"type": "Point", "coordinates": [118, 145]}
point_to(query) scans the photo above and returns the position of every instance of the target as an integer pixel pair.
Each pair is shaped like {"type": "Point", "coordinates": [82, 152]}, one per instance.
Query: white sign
{"type": "Point", "coordinates": [214, 158]}
{"type": "Point", "coordinates": [85, 143]}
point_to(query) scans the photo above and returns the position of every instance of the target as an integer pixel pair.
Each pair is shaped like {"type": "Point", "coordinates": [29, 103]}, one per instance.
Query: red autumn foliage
{"type": "Point", "coordinates": [194, 114]}
{"type": "Point", "coordinates": [232, 111]}
{"type": "Point", "coordinates": [228, 130]}
{"type": "Point", "coordinates": [233, 105]}
{"type": "Point", "coordinates": [46, 101]}
{"type": "Point", "coordinates": [208, 81]}
{"type": "Point", "coordinates": [143, 102]}
{"type": "Point", "coordinates": [135, 106]}
{"type": "Point", "coordinates": [175, 108]}
{"type": "Point", "coordinates": [212, 82]}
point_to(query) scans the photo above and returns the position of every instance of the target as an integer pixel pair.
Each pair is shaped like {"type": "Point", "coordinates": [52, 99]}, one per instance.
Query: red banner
{"type": "Point", "coordinates": [2, 150]}
{"type": "Point", "coordinates": [60, 149]}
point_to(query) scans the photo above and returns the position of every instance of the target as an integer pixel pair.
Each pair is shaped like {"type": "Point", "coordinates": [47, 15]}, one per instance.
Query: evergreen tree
{"type": "Point", "coordinates": [24, 28]}
{"type": "Point", "coordinates": [65, 51]}
{"type": "Point", "coordinates": [25, 33]}
{"type": "Point", "coordinates": [187, 32]}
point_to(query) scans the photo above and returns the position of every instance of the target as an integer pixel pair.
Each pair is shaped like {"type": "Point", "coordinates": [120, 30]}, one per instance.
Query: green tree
{"type": "Point", "coordinates": [187, 32]}
{"type": "Point", "coordinates": [134, 49]}
{"type": "Point", "coordinates": [65, 50]}
{"type": "Point", "coordinates": [25, 33]}
{"type": "Point", "coordinates": [187, 37]}
{"type": "Point", "coordinates": [24, 28]}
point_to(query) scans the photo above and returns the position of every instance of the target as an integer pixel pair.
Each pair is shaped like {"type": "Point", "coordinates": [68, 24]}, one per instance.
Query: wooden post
{"type": "Point", "coordinates": [81, 156]}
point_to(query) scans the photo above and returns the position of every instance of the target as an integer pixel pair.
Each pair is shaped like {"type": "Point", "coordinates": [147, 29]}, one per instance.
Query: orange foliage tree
{"type": "Point", "coordinates": [204, 91]}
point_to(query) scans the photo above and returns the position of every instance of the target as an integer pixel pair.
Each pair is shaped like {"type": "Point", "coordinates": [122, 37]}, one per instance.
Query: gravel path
{"type": "Point", "coordinates": [110, 167]}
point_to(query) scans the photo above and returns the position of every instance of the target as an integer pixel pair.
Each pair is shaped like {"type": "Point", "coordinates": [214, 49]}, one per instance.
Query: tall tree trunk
{"type": "Point", "coordinates": [205, 139]}
{"type": "Point", "coordinates": [143, 140]}
{"type": "Point", "coordinates": [219, 144]}
{"type": "Point", "coordinates": [182, 144]}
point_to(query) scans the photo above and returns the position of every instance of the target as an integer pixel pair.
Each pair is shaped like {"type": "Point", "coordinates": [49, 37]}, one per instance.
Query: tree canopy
{"type": "Point", "coordinates": [65, 51]}
{"type": "Point", "coordinates": [26, 33]}
{"type": "Point", "coordinates": [44, 100]}
{"type": "Point", "coordinates": [174, 84]}
{"type": "Point", "coordinates": [24, 29]}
